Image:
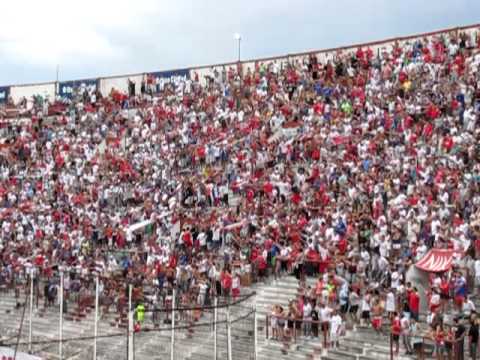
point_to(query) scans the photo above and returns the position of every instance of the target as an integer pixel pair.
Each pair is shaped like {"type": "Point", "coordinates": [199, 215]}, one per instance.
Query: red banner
{"type": "Point", "coordinates": [436, 260]}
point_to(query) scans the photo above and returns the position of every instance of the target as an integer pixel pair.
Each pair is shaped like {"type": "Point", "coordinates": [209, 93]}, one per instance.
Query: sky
{"type": "Point", "coordinates": [94, 38]}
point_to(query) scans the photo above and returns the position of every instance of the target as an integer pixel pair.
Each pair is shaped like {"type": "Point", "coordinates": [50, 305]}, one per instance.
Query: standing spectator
{"type": "Point", "coordinates": [468, 307]}
{"type": "Point", "coordinates": [236, 286]}
{"type": "Point", "coordinates": [396, 330]}
{"type": "Point", "coordinates": [226, 281]}
{"type": "Point", "coordinates": [473, 338]}
{"type": "Point", "coordinates": [365, 308]}
{"type": "Point", "coordinates": [274, 321]}
{"type": "Point", "coordinates": [390, 303]}
{"type": "Point", "coordinates": [140, 312]}
{"type": "Point", "coordinates": [414, 303]}
{"type": "Point", "coordinates": [336, 326]}
{"type": "Point", "coordinates": [460, 332]}
{"type": "Point", "coordinates": [406, 333]}
{"type": "Point", "coordinates": [416, 338]}
{"type": "Point", "coordinates": [307, 319]}
{"type": "Point", "coordinates": [354, 300]}
{"type": "Point", "coordinates": [325, 315]}
{"type": "Point", "coordinates": [477, 272]}
{"type": "Point", "coordinates": [439, 336]}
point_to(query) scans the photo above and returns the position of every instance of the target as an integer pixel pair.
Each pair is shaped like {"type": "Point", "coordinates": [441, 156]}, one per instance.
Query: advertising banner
{"type": "Point", "coordinates": [4, 93]}
{"type": "Point", "coordinates": [67, 88]}
{"type": "Point", "coordinates": [161, 78]}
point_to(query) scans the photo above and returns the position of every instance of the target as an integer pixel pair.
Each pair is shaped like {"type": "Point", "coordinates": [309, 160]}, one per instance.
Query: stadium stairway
{"type": "Point", "coordinates": [358, 344]}
{"type": "Point", "coordinates": [280, 292]}
{"type": "Point", "coordinates": [45, 325]}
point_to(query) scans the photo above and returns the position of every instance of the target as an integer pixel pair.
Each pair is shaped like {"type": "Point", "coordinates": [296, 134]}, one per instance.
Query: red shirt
{"type": "Point", "coordinates": [226, 280]}
{"type": "Point", "coordinates": [318, 108]}
{"type": "Point", "coordinates": [448, 143]}
{"type": "Point", "coordinates": [296, 198]}
{"type": "Point", "coordinates": [396, 327]}
{"type": "Point", "coordinates": [413, 200]}
{"type": "Point", "coordinates": [268, 244]}
{"type": "Point", "coordinates": [267, 188]}
{"type": "Point", "coordinates": [312, 255]}
{"type": "Point", "coordinates": [187, 239]}
{"type": "Point", "coordinates": [342, 245]}
{"type": "Point", "coordinates": [250, 195]}
{"type": "Point", "coordinates": [201, 152]}
{"type": "Point", "coordinates": [414, 302]}
{"type": "Point", "coordinates": [262, 264]}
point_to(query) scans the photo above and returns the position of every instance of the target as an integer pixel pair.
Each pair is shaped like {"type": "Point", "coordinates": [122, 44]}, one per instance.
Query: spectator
{"type": "Point", "coordinates": [473, 338]}
{"type": "Point", "coordinates": [336, 326]}
{"type": "Point", "coordinates": [350, 169]}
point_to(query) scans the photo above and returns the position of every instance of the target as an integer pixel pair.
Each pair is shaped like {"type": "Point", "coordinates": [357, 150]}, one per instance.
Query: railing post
{"type": "Point", "coordinates": [95, 328]}
{"type": "Point", "coordinates": [172, 342]}
{"type": "Point", "coordinates": [422, 353]}
{"type": "Point", "coordinates": [30, 320]}
{"type": "Point", "coordinates": [130, 353]}
{"type": "Point", "coordinates": [215, 318]}
{"type": "Point", "coordinates": [255, 335]}
{"type": "Point", "coordinates": [60, 338]}
{"type": "Point", "coordinates": [267, 324]}
{"type": "Point", "coordinates": [229, 333]}
{"type": "Point", "coordinates": [391, 347]}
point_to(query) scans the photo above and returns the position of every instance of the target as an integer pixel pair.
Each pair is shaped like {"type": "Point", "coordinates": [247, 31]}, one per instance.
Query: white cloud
{"type": "Point", "coordinates": [49, 32]}
{"type": "Point", "coordinates": [92, 38]}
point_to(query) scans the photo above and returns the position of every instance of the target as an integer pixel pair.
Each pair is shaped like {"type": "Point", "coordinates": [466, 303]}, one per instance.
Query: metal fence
{"type": "Point", "coordinates": [71, 316]}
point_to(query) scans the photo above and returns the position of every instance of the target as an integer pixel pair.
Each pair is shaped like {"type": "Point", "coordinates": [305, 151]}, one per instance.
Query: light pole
{"type": "Point", "coordinates": [238, 37]}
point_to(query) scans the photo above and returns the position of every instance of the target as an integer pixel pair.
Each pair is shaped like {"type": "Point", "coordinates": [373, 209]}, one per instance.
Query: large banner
{"type": "Point", "coordinates": [67, 88]}
{"type": "Point", "coordinates": [161, 78]}
{"type": "Point", "coordinates": [437, 260]}
{"type": "Point", "coordinates": [4, 93]}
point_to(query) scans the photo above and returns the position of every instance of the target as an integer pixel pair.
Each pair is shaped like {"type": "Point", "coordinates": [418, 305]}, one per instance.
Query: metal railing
{"type": "Point", "coordinates": [129, 329]}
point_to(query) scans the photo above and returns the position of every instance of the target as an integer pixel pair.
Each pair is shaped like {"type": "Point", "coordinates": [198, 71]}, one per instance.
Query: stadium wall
{"type": "Point", "coordinates": [46, 90]}
{"type": "Point", "coordinates": [120, 83]}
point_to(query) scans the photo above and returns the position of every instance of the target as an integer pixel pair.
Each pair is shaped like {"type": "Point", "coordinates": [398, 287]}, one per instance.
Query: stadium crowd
{"type": "Point", "coordinates": [349, 171]}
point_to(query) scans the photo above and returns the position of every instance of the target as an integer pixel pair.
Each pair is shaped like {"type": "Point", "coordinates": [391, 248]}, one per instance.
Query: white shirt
{"type": "Point", "coordinates": [365, 303]}
{"type": "Point", "coordinates": [324, 314]}
{"type": "Point", "coordinates": [390, 302]}
{"type": "Point", "coordinates": [395, 279]}
{"type": "Point", "coordinates": [307, 310]}
{"type": "Point", "coordinates": [335, 324]}
{"type": "Point", "coordinates": [477, 268]}
{"type": "Point", "coordinates": [235, 282]}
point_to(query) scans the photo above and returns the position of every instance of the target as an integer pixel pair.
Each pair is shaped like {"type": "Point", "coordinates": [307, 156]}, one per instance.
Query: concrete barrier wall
{"type": "Point", "coordinates": [120, 83]}
{"type": "Point", "coordinates": [46, 90]}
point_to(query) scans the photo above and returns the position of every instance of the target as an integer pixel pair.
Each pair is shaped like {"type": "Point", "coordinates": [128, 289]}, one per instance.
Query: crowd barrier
{"type": "Point", "coordinates": [52, 90]}
{"type": "Point", "coordinates": [90, 316]}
